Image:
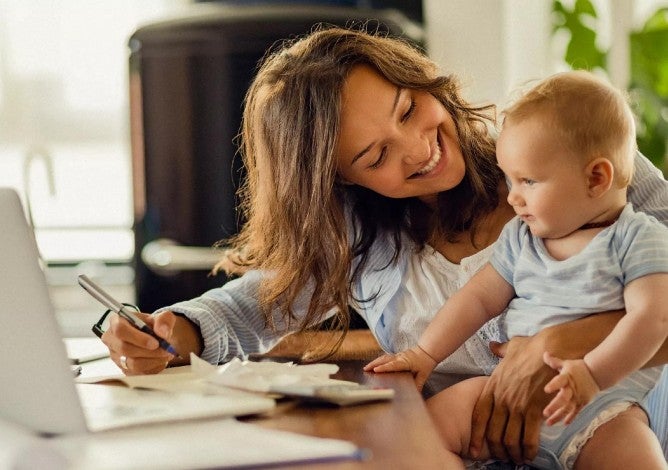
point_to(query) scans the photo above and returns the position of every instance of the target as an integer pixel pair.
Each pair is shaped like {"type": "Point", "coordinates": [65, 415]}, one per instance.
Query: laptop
{"type": "Point", "coordinates": [38, 389]}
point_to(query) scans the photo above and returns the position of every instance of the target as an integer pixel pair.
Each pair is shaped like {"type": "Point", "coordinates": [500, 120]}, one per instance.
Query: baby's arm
{"type": "Point", "coordinates": [486, 295]}
{"type": "Point", "coordinates": [636, 338]}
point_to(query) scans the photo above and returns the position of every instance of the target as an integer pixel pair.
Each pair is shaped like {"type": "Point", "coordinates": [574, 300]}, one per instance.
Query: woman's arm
{"type": "Point", "coordinates": [221, 324]}
{"type": "Point", "coordinates": [508, 414]}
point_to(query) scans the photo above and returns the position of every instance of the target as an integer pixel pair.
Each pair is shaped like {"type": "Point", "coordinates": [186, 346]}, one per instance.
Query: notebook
{"type": "Point", "coordinates": [38, 389]}
{"type": "Point", "coordinates": [82, 350]}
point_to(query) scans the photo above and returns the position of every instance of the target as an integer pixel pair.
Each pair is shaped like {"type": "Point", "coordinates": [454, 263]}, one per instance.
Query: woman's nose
{"type": "Point", "coordinates": [415, 150]}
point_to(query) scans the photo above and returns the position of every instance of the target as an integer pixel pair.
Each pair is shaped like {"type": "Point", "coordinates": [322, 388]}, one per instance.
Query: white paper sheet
{"type": "Point", "coordinates": [204, 444]}
{"type": "Point", "coordinates": [202, 377]}
{"type": "Point", "coordinates": [224, 443]}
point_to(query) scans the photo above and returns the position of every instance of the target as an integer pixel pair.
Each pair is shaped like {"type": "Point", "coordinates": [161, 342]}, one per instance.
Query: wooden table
{"type": "Point", "coordinates": [398, 433]}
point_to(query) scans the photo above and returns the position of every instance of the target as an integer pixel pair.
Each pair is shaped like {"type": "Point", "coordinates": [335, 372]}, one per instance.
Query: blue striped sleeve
{"type": "Point", "coordinates": [649, 194]}
{"type": "Point", "coordinates": [231, 322]}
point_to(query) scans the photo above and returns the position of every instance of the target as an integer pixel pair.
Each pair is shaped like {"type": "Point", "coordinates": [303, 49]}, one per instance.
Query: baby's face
{"type": "Point", "coordinates": [548, 184]}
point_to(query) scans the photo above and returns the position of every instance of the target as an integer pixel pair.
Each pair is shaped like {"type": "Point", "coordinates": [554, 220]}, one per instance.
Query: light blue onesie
{"type": "Point", "coordinates": [550, 292]}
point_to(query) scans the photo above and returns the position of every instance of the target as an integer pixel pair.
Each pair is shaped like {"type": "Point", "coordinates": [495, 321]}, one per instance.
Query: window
{"type": "Point", "coordinates": [64, 129]}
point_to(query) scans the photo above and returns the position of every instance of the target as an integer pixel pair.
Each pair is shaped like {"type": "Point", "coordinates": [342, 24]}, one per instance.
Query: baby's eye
{"type": "Point", "coordinates": [408, 112]}
{"type": "Point", "coordinates": [528, 182]}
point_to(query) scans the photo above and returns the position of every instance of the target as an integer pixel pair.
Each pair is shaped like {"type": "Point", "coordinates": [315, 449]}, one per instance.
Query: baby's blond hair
{"type": "Point", "coordinates": [591, 117]}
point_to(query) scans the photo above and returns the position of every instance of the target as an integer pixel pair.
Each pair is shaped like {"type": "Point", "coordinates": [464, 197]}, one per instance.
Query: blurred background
{"type": "Point", "coordinates": [117, 116]}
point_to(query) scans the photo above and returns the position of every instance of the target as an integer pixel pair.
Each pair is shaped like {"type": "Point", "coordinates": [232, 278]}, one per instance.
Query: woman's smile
{"type": "Point", "coordinates": [430, 168]}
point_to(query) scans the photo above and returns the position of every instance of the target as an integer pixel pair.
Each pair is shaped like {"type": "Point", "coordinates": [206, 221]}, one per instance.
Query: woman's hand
{"type": "Point", "coordinates": [415, 360]}
{"type": "Point", "coordinates": [136, 352]}
{"type": "Point", "coordinates": [574, 386]}
{"type": "Point", "coordinates": [509, 412]}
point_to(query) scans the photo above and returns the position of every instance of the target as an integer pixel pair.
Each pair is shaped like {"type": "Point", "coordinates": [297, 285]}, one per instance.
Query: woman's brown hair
{"type": "Point", "coordinates": [294, 204]}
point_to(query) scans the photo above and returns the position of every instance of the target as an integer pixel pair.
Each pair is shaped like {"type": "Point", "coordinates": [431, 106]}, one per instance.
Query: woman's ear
{"type": "Point", "coordinates": [600, 175]}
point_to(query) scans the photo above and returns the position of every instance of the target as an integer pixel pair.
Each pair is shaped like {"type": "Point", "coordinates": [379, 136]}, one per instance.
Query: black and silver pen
{"type": "Point", "coordinates": [115, 306]}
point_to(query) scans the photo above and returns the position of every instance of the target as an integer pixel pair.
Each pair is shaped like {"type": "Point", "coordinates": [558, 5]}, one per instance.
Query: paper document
{"type": "Point", "coordinates": [81, 350]}
{"type": "Point", "coordinates": [203, 377]}
{"type": "Point", "coordinates": [309, 381]}
{"type": "Point", "coordinates": [223, 443]}
{"type": "Point", "coordinates": [202, 444]}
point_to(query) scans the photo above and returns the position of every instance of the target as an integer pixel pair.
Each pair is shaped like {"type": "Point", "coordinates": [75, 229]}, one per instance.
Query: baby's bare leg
{"type": "Point", "coordinates": [625, 441]}
{"type": "Point", "coordinates": [452, 410]}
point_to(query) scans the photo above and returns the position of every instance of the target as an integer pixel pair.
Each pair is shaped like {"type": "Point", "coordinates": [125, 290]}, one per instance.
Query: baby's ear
{"type": "Point", "coordinates": [600, 175]}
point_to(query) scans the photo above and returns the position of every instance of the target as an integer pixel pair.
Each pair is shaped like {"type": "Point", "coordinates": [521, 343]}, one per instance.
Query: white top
{"type": "Point", "coordinates": [430, 279]}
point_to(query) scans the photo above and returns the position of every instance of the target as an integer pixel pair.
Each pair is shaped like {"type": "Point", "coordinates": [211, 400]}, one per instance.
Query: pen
{"type": "Point", "coordinates": [114, 305]}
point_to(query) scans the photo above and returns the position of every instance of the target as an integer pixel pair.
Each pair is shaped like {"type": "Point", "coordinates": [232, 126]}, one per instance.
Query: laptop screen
{"type": "Point", "coordinates": [37, 387]}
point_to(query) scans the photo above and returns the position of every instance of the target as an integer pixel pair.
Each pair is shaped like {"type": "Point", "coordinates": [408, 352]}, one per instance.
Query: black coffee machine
{"type": "Point", "coordinates": [188, 77]}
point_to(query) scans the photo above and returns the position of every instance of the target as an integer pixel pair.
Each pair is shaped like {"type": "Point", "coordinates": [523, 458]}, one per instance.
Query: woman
{"type": "Point", "coordinates": [371, 183]}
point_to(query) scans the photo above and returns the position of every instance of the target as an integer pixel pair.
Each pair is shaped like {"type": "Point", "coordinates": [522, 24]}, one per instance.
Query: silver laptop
{"type": "Point", "coordinates": [38, 389]}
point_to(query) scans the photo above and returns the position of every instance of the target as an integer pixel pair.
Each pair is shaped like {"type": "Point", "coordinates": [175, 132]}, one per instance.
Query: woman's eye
{"type": "Point", "coordinates": [408, 112]}
{"type": "Point", "coordinates": [380, 160]}
{"type": "Point", "coordinates": [529, 182]}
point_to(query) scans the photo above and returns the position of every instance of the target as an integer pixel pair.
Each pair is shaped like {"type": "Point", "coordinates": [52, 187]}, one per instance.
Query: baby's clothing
{"type": "Point", "coordinates": [549, 292]}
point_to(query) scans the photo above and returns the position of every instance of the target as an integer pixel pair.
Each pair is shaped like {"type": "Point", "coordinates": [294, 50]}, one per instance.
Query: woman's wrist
{"type": "Point", "coordinates": [186, 338]}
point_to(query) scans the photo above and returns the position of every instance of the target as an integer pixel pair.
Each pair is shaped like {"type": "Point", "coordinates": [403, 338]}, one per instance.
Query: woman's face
{"type": "Point", "coordinates": [395, 141]}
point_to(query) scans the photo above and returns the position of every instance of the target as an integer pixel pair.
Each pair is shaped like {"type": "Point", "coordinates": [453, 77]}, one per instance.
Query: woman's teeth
{"type": "Point", "coordinates": [431, 164]}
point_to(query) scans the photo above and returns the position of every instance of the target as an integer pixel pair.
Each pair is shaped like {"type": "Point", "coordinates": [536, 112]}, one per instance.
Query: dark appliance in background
{"type": "Point", "coordinates": [188, 77]}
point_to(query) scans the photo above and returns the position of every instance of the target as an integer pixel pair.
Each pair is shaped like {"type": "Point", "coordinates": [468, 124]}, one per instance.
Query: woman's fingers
{"type": "Point", "coordinates": [533, 420]}
{"type": "Point", "coordinates": [482, 411]}
{"type": "Point", "coordinates": [121, 331]}
{"type": "Point", "coordinates": [571, 416]}
{"type": "Point", "coordinates": [163, 324]}
{"type": "Point", "coordinates": [513, 438]}
{"type": "Point", "coordinates": [140, 352]}
{"type": "Point", "coordinates": [514, 394]}
{"type": "Point", "coordinates": [495, 432]}
{"type": "Point", "coordinates": [136, 365]}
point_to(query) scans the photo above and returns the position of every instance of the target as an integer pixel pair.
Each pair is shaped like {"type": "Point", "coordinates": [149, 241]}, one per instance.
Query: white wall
{"type": "Point", "coordinates": [496, 45]}
{"type": "Point", "coordinates": [492, 45]}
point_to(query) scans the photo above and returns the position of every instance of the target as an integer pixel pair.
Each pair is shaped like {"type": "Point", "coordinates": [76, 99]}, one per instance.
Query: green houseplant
{"type": "Point", "coordinates": [648, 86]}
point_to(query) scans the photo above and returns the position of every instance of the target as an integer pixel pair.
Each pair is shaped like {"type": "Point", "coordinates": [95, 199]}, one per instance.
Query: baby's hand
{"type": "Point", "coordinates": [576, 387]}
{"type": "Point", "coordinates": [414, 360]}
